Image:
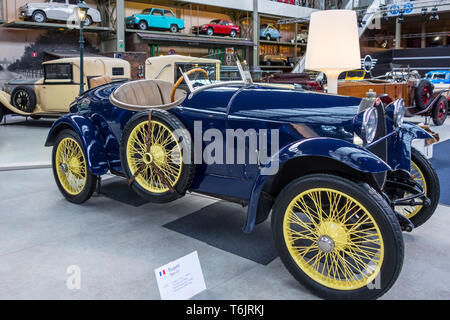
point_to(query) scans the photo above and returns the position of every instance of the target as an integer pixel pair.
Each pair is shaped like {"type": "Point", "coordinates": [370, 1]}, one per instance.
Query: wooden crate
{"type": "Point", "coordinates": [360, 88]}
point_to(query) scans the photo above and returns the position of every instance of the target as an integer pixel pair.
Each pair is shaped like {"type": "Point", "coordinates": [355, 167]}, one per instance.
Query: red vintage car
{"type": "Point", "coordinates": [219, 27]}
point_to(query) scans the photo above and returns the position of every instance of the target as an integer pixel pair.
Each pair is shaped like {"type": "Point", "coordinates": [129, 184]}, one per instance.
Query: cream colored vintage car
{"type": "Point", "coordinates": [53, 94]}
{"type": "Point", "coordinates": [168, 67]}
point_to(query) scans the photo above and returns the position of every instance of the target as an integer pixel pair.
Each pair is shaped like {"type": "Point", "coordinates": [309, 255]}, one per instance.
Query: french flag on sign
{"type": "Point", "coordinates": [162, 273]}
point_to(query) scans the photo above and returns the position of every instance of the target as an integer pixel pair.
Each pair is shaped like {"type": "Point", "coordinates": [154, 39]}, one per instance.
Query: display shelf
{"type": "Point", "coordinates": [275, 67]}
{"type": "Point", "coordinates": [167, 37]}
{"type": "Point", "coordinates": [282, 43]}
{"type": "Point", "coordinates": [19, 24]}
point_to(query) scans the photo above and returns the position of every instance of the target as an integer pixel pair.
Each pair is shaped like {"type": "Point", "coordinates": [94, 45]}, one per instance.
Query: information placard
{"type": "Point", "coordinates": [180, 279]}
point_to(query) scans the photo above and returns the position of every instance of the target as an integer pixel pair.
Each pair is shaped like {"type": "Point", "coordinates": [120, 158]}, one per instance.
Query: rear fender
{"type": "Point", "coordinates": [91, 141]}
{"type": "Point", "coordinates": [343, 152]}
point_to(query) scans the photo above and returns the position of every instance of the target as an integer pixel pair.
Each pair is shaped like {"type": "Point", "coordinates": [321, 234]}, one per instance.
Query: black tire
{"type": "Point", "coordinates": [187, 170]}
{"type": "Point", "coordinates": [268, 63]}
{"type": "Point", "coordinates": [233, 33]}
{"type": "Point", "coordinates": [174, 28]}
{"type": "Point", "coordinates": [91, 180]}
{"type": "Point", "coordinates": [2, 113]}
{"type": "Point", "coordinates": [433, 187]}
{"type": "Point", "coordinates": [440, 111]}
{"type": "Point", "coordinates": [382, 215]}
{"type": "Point", "coordinates": [35, 117]}
{"type": "Point", "coordinates": [210, 31]}
{"type": "Point", "coordinates": [422, 94]}
{"type": "Point", "coordinates": [143, 25]}
{"type": "Point", "coordinates": [39, 16]}
{"type": "Point", "coordinates": [268, 37]}
{"type": "Point", "coordinates": [88, 21]}
{"type": "Point", "coordinates": [24, 99]}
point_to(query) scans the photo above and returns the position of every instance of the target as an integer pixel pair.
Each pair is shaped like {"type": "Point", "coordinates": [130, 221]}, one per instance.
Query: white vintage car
{"type": "Point", "coordinates": [57, 10]}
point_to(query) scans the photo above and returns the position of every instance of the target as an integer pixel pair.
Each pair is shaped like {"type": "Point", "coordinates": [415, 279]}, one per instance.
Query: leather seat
{"type": "Point", "coordinates": [146, 94]}
{"type": "Point", "coordinates": [98, 81]}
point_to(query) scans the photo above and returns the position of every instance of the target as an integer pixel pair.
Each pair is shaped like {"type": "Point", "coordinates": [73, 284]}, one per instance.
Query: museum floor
{"type": "Point", "coordinates": [118, 241]}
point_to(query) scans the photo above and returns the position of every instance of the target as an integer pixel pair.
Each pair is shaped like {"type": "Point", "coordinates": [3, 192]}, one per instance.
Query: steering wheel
{"type": "Point", "coordinates": [180, 80]}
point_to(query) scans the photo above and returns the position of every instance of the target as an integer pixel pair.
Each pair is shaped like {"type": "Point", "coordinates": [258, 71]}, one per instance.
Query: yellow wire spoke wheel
{"type": "Point", "coordinates": [164, 153]}
{"type": "Point", "coordinates": [333, 238]}
{"type": "Point", "coordinates": [70, 165]}
{"type": "Point", "coordinates": [411, 211]}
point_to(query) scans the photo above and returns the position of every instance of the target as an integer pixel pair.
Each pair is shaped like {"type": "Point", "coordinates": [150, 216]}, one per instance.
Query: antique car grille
{"type": "Point", "coordinates": [380, 149]}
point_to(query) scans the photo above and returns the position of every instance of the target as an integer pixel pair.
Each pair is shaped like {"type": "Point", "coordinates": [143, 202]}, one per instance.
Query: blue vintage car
{"type": "Point", "coordinates": [438, 76]}
{"type": "Point", "coordinates": [156, 18]}
{"type": "Point", "coordinates": [337, 174]}
{"type": "Point", "coordinates": [269, 32]}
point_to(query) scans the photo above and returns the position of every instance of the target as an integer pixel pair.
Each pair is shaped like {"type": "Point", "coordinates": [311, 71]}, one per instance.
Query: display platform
{"type": "Point", "coordinates": [117, 245]}
{"type": "Point", "coordinates": [19, 24]}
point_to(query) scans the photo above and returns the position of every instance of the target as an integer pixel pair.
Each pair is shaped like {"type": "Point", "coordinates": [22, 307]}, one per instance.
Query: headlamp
{"type": "Point", "coordinates": [370, 124]}
{"type": "Point", "coordinates": [399, 112]}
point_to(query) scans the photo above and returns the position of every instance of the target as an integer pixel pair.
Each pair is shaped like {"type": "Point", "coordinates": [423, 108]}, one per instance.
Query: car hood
{"type": "Point", "coordinates": [281, 104]}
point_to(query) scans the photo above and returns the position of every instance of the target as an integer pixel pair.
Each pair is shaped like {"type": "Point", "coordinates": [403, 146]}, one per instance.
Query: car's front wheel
{"type": "Point", "coordinates": [87, 21]}
{"type": "Point", "coordinates": [210, 31]}
{"type": "Point", "coordinates": [423, 173]}
{"type": "Point", "coordinates": [70, 169]}
{"type": "Point", "coordinates": [338, 238]}
{"type": "Point", "coordinates": [233, 33]}
{"type": "Point", "coordinates": [39, 16]}
{"type": "Point", "coordinates": [440, 111]}
{"type": "Point", "coordinates": [174, 28]}
{"type": "Point", "coordinates": [143, 25]}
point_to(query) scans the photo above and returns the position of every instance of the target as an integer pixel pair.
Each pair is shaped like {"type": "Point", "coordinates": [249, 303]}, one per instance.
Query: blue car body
{"type": "Point", "coordinates": [156, 18]}
{"type": "Point", "coordinates": [438, 76]}
{"type": "Point", "coordinates": [269, 31]}
{"type": "Point", "coordinates": [316, 131]}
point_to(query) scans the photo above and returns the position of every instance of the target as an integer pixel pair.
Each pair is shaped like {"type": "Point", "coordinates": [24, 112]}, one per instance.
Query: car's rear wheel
{"type": "Point", "coordinates": [70, 169]}
{"type": "Point", "coordinates": [268, 37]}
{"type": "Point", "coordinates": [174, 28]}
{"type": "Point", "coordinates": [422, 94]}
{"type": "Point", "coordinates": [159, 169]}
{"type": "Point", "coordinates": [440, 111]}
{"type": "Point", "coordinates": [143, 25]}
{"type": "Point", "coordinates": [338, 238]}
{"type": "Point", "coordinates": [24, 99]}
{"type": "Point", "coordinates": [39, 16]}
{"type": "Point", "coordinates": [423, 172]}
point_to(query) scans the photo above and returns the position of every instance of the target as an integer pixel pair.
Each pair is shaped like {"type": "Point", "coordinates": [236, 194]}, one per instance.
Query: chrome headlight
{"type": "Point", "coordinates": [399, 112]}
{"type": "Point", "coordinates": [370, 124]}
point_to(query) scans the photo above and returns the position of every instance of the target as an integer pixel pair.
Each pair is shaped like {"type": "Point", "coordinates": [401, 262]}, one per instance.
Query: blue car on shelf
{"type": "Point", "coordinates": [337, 174]}
{"type": "Point", "coordinates": [438, 76]}
{"type": "Point", "coordinates": [155, 18]}
{"type": "Point", "coordinates": [269, 32]}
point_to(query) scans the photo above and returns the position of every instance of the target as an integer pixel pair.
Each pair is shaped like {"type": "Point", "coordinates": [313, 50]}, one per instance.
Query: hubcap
{"type": "Point", "coordinates": [147, 157]}
{"type": "Point", "coordinates": [326, 244]}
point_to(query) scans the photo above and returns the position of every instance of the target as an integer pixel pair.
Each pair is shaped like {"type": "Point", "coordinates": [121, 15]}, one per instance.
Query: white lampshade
{"type": "Point", "coordinates": [333, 44]}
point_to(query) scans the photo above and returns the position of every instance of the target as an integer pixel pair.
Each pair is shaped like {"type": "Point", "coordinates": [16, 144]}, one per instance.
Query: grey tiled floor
{"type": "Point", "coordinates": [118, 246]}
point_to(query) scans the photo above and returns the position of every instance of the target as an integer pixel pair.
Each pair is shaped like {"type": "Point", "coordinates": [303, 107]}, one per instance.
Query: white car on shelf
{"type": "Point", "coordinates": [57, 10]}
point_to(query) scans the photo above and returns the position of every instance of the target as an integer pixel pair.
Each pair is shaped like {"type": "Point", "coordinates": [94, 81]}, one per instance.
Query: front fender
{"type": "Point", "coordinates": [90, 140]}
{"type": "Point", "coordinates": [399, 146]}
{"type": "Point", "coordinates": [354, 156]}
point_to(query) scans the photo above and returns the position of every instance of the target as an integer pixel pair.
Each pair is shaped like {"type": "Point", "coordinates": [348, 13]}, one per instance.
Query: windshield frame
{"type": "Point", "coordinates": [246, 79]}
